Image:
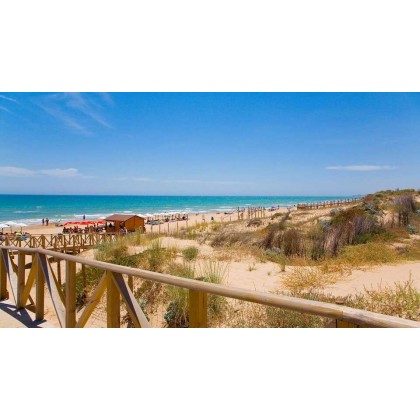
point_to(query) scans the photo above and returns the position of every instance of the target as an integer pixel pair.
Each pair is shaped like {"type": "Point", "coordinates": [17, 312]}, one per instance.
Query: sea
{"type": "Point", "coordinates": [31, 209]}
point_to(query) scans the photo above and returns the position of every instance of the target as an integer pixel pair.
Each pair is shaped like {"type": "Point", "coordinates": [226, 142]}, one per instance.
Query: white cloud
{"type": "Point", "coordinates": [3, 108]}
{"type": "Point", "coordinates": [7, 98]}
{"type": "Point", "coordinates": [362, 168]}
{"type": "Point", "coordinates": [142, 179]}
{"type": "Point", "coordinates": [12, 171]}
{"type": "Point", "coordinates": [60, 173]}
{"type": "Point", "coordinates": [15, 172]}
{"type": "Point", "coordinates": [196, 181]}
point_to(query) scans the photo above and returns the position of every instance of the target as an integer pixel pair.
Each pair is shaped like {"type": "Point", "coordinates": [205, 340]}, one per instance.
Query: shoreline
{"type": "Point", "coordinates": [62, 209]}
{"type": "Point", "coordinates": [193, 219]}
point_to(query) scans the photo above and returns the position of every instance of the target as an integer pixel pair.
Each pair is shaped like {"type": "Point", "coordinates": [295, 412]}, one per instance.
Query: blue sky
{"type": "Point", "coordinates": [208, 143]}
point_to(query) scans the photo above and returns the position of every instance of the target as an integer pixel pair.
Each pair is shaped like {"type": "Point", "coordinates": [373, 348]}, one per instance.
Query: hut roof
{"type": "Point", "coordinates": [121, 217]}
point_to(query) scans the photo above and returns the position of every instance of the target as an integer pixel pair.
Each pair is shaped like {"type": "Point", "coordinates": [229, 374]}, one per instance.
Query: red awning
{"type": "Point", "coordinates": [85, 222]}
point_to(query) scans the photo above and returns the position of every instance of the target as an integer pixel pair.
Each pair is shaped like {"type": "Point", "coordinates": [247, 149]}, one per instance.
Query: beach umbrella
{"type": "Point", "coordinates": [21, 225]}
{"type": "Point", "coordinates": [11, 224]}
{"type": "Point", "coordinates": [3, 225]}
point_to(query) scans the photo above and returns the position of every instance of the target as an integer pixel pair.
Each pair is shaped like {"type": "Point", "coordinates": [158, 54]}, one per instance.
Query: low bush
{"type": "Point", "coordinates": [368, 254]}
{"type": "Point", "coordinates": [190, 253]}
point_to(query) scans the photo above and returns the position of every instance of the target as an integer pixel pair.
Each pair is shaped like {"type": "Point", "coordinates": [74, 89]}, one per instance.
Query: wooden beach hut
{"type": "Point", "coordinates": [118, 222]}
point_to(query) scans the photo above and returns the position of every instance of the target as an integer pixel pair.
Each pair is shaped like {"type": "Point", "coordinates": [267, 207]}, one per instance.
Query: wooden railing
{"type": "Point", "coordinates": [326, 204]}
{"type": "Point", "coordinates": [72, 243]}
{"type": "Point", "coordinates": [116, 287]}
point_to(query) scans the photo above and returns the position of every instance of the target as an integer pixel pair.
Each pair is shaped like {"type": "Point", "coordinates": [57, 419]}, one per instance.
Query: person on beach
{"type": "Point", "coordinates": [47, 221]}
{"type": "Point", "coordinates": [84, 217]}
{"type": "Point", "coordinates": [43, 221]}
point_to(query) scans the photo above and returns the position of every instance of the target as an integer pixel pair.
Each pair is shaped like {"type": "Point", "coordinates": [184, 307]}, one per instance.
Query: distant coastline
{"type": "Point", "coordinates": [30, 209]}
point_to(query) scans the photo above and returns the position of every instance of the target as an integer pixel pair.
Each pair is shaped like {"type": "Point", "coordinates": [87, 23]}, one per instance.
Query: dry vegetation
{"type": "Point", "coordinates": [315, 248]}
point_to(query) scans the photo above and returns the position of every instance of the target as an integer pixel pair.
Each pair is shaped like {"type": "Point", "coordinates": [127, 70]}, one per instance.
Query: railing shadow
{"type": "Point", "coordinates": [21, 315]}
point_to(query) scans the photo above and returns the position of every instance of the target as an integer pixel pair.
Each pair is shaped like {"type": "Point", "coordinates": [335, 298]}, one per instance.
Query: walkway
{"type": "Point", "coordinates": [10, 317]}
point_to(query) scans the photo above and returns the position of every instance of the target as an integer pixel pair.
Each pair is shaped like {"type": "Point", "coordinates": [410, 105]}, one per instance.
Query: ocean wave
{"type": "Point", "coordinates": [25, 211]}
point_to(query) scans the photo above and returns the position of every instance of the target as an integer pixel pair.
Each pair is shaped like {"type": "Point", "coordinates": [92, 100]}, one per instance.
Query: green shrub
{"type": "Point", "coordinates": [190, 253]}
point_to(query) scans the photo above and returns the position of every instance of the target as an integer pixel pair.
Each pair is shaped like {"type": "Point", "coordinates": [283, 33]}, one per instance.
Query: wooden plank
{"type": "Point", "coordinates": [10, 273]}
{"type": "Point", "coordinates": [20, 280]}
{"type": "Point", "coordinates": [136, 314]}
{"type": "Point", "coordinates": [3, 279]}
{"type": "Point", "coordinates": [56, 295]}
{"type": "Point", "coordinates": [197, 309]}
{"type": "Point", "coordinates": [112, 304]}
{"type": "Point", "coordinates": [70, 294]}
{"type": "Point", "coordinates": [93, 301]}
{"type": "Point", "coordinates": [29, 284]}
{"type": "Point", "coordinates": [40, 283]}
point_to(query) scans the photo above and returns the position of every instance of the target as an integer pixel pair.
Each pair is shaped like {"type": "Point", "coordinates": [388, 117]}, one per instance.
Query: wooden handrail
{"type": "Point", "coordinates": [329, 310]}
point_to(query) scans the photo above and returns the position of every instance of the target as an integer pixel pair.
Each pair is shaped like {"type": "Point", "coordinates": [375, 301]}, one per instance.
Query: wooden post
{"type": "Point", "coordinates": [40, 281]}
{"type": "Point", "coordinates": [20, 279]}
{"type": "Point", "coordinates": [43, 241]}
{"type": "Point", "coordinates": [3, 279]}
{"type": "Point", "coordinates": [59, 271]}
{"type": "Point", "coordinates": [84, 276]}
{"type": "Point", "coordinates": [112, 304]}
{"type": "Point", "coordinates": [198, 309]}
{"type": "Point", "coordinates": [343, 324]}
{"type": "Point", "coordinates": [70, 294]}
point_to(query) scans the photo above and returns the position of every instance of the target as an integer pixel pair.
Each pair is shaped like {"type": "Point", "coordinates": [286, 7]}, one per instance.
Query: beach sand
{"type": "Point", "coordinates": [193, 219]}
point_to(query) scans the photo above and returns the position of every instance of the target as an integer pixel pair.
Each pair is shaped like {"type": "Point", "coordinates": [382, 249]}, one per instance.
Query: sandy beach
{"type": "Point", "coordinates": [173, 226]}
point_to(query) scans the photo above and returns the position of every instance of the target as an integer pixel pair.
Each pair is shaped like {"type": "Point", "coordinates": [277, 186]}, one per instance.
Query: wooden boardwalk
{"type": "Point", "coordinates": [10, 317]}
{"type": "Point", "coordinates": [67, 243]}
{"type": "Point", "coordinates": [25, 288]}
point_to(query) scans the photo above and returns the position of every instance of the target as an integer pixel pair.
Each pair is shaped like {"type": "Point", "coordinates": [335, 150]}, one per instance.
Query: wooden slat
{"type": "Point", "coordinates": [197, 309]}
{"type": "Point", "coordinates": [20, 280]}
{"type": "Point", "coordinates": [10, 273]}
{"type": "Point", "coordinates": [112, 303]}
{"type": "Point", "coordinates": [70, 294]}
{"type": "Point", "coordinates": [57, 285]}
{"type": "Point", "coordinates": [93, 301]}
{"type": "Point", "coordinates": [29, 284]}
{"type": "Point", "coordinates": [40, 284]}
{"type": "Point", "coordinates": [56, 296]}
{"type": "Point", "coordinates": [136, 314]}
{"type": "Point", "coordinates": [3, 279]}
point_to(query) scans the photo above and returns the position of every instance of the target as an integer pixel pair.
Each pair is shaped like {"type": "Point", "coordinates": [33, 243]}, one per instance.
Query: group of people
{"type": "Point", "coordinates": [45, 221]}
{"type": "Point", "coordinates": [14, 235]}
{"type": "Point", "coordinates": [87, 229]}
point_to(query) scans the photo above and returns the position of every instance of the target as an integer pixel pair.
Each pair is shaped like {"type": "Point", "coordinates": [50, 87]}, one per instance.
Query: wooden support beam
{"type": "Point", "coordinates": [59, 271]}
{"type": "Point", "coordinates": [8, 263]}
{"type": "Point", "coordinates": [84, 276]}
{"type": "Point", "coordinates": [29, 284]}
{"type": "Point", "coordinates": [112, 304]}
{"type": "Point", "coordinates": [70, 294]}
{"type": "Point", "coordinates": [93, 301]}
{"type": "Point", "coordinates": [56, 294]}
{"type": "Point", "coordinates": [343, 324]}
{"type": "Point", "coordinates": [198, 309]}
{"type": "Point", "coordinates": [20, 280]}
{"type": "Point", "coordinates": [40, 282]}
{"type": "Point", "coordinates": [4, 294]}
{"type": "Point", "coordinates": [133, 308]}
{"type": "Point", "coordinates": [131, 283]}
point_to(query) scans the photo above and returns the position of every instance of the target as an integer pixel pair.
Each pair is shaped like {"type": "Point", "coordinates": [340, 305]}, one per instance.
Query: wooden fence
{"type": "Point", "coordinates": [68, 243]}
{"type": "Point", "coordinates": [326, 204]}
{"type": "Point", "coordinates": [117, 287]}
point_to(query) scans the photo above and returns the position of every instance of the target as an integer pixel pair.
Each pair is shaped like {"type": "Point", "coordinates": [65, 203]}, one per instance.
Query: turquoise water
{"type": "Point", "coordinates": [30, 209]}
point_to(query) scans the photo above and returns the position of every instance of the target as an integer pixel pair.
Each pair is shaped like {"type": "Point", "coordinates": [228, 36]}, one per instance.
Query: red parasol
{"type": "Point", "coordinates": [85, 222]}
